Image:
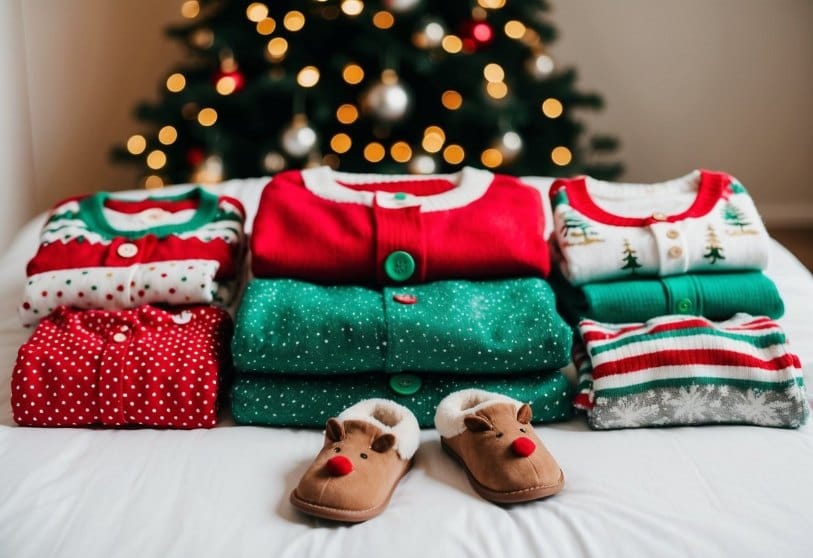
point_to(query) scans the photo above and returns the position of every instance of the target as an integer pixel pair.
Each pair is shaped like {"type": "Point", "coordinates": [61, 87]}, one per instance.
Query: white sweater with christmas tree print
{"type": "Point", "coordinates": [702, 222]}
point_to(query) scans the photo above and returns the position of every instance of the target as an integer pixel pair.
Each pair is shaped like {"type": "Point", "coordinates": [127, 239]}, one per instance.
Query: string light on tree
{"type": "Point", "coordinates": [227, 83]}
{"type": "Point", "coordinates": [256, 12]}
{"type": "Point", "coordinates": [454, 154]}
{"type": "Point", "coordinates": [190, 9]}
{"type": "Point", "coordinates": [202, 38]}
{"type": "Point", "coordinates": [552, 108]}
{"type": "Point", "coordinates": [156, 159]}
{"type": "Point", "coordinates": [374, 152]}
{"type": "Point", "coordinates": [276, 48]}
{"type": "Point", "coordinates": [294, 20]}
{"type": "Point", "coordinates": [308, 76]}
{"type": "Point", "coordinates": [451, 99]}
{"type": "Point", "coordinates": [176, 83]}
{"type": "Point", "coordinates": [352, 74]}
{"type": "Point", "coordinates": [341, 143]}
{"type": "Point", "coordinates": [561, 155]}
{"type": "Point", "coordinates": [433, 139]}
{"type": "Point", "coordinates": [452, 44]}
{"type": "Point", "coordinates": [266, 26]}
{"type": "Point", "coordinates": [347, 114]}
{"type": "Point", "coordinates": [167, 135]}
{"type": "Point", "coordinates": [352, 7]}
{"type": "Point", "coordinates": [476, 35]}
{"type": "Point", "coordinates": [153, 182]}
{"type": "Point", "coordinates": [401, 152]}
{"type": "Point", "coordinates": [491, 158]}
{"type": "Point", "coordinates": [207, 117]}
{"type": "Point", "coordinates": [136, 144]}
{"type": "Point", "coordinates": [383, 19]}
{"type": "Point", "coordinates": [514, 29]}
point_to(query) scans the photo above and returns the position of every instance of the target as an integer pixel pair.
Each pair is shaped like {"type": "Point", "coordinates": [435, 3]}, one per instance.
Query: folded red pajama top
{"type": "Point", "coordinates": [143, 366]}
{"type": "Point", "coordinates": [329, 227]}
{"type": "Point", "coordinates": [110, 252]}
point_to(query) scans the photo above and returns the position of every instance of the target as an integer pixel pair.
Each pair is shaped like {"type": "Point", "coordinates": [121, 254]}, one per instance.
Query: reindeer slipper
{"type": "Point", "coordinates": [367, 449]}
{"type": "Point", "coordinates": [491, 437]}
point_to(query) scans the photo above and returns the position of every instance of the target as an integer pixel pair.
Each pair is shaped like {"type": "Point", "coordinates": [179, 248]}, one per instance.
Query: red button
{"type": "Point", "coordinates": [405, 298]}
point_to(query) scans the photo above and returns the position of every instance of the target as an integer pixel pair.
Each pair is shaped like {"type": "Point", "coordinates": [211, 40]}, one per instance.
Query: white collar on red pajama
{"type": "Point", "coordinates": [469, 184]}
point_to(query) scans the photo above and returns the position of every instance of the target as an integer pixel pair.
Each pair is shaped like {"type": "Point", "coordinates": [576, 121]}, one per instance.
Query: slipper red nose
{"type": "Point", "coordinates": [339, 466]}
{"type": "Point", "coordinates": [523, 446]}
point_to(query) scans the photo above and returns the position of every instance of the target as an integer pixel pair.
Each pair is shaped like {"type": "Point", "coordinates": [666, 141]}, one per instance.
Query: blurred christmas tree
{"type": "Point", "coordinates": [377, 85]}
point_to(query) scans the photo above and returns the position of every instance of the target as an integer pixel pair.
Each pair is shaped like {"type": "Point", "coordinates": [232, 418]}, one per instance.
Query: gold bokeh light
{"type": "Point", "coordinates": [167, 135]}
{"type": "Point", "coordinates": [454, 154]}
{"type": "Point", "coordinates": [491, 158]}
{"type": "Point", "coordinates": [308, 76]}
{"type": "Point", "coordinates": [176, 83]}
{"type": "Point", "coordinates": [552, 108]}
{"type": "Point", "coordinates": [277, 47]}
{"type": "Point", "coordinates": [136, 144]}
{"type": "Point", "coordinates": [401, 152]}
{"type": "Point", "coordinates": [341, 143]}
{"type": "Point", "coordinates": [347, 114]}
{"type": "Point", "coordinates": [190, 9]}
{"type": "Point", "coordinates": [156, 159]}
{"type": "Point", "coordinates": [266, 26]}
{"type": "Point", "coordinates": [294, 20]}
{"type": "Point", "coordinates": [561, 155]}
{"type": "Point", "coordinates": [493, 72]}
{"type": "Point", "coordinates": [353, 74]}
{"type": "Point", "coordinates": [383, 20]}
{"type": "Point", "coordinates": [514, 29]}
{"type": "Point", "coordinates": [207, 116]}
{"type": "Point", "coordinates": [374, 152]}
{"type": "Point", "coordinates": [256, 11]}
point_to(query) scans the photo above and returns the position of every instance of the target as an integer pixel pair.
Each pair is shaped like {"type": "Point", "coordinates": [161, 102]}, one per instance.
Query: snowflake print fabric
{"type": "Point", "coordinates": [145, 366]}
{"type": "Point", "coordinates": [679, 370]}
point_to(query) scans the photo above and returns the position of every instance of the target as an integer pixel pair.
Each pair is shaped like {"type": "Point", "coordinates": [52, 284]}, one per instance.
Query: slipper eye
{"type": "Point", "coordinates": [337, 449]}
{"type": "Point", "coordinates": [364, 456]}
{"type": "Point", "coordinates": [499, 434]}
{"type": "Point", "coordinates": [522, 430]}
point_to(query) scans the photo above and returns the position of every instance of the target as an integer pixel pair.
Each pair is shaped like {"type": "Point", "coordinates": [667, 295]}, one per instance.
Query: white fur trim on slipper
{"type": "Point", "coordinates": [456, 406]}
{"type": "Point", "coordinates": [391, 418]}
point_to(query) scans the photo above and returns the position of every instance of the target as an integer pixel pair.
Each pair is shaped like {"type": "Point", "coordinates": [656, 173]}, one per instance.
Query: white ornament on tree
{"type": "Point", "coordinates": [401, 5]}
{"type": "Point", "coordinates": [274, 161]}
{"type": "Point", "coordinates": [298, 138]}
{"type": "Point", "coordinates": [510, 145]}
{"type": "Point", "coordinates": [386, 100]}
{"type": "Point", "coordinates": [540, 65]}
{"type": "Point", "coordinates": [423, 164]}
{"type": "Point", "coordinates": [429, 34]}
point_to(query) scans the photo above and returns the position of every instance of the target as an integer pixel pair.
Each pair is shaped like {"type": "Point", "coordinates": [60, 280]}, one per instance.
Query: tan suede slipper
{"type": "Point", "coordinates": [368, 448]}
{"type": "Point", "coordinates": [491, 437]}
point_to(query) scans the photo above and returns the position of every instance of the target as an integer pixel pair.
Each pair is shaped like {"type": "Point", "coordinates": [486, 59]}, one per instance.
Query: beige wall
{"type": "Point", "coordinates": [724, 84]}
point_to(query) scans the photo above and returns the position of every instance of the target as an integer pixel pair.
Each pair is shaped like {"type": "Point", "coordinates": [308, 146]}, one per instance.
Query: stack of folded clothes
{"type": "Point", "coordinates": [635, 262]}
{"type": "Point", "coordinates": [407, 288]}
{"type": "Point", "coordinates": [121, 291]}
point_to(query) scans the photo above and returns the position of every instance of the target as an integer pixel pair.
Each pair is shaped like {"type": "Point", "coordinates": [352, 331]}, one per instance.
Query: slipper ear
{"type": "Point", "coordinates": [476, 423]}
{"type": "Point", "coordinates": [383, 443]}
{"type": "Point", "coordinates": [335, 430]}
{"type": "Point", "coordinates": [524, 414]}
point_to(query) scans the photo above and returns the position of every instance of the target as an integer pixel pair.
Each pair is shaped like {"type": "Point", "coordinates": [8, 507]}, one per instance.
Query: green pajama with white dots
{"type": "Point", "coordinates": [306, 401]}
{"type": "Point", "coordinates": [461, 327]}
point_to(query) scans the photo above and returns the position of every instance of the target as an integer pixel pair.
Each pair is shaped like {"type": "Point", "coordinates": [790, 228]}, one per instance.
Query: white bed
{"type": "Point", "coordinates": [707, 491]}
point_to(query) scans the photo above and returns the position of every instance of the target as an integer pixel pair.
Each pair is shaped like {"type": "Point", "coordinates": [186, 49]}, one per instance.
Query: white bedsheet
{"type": "Point", "coordinates": [707, 491]}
